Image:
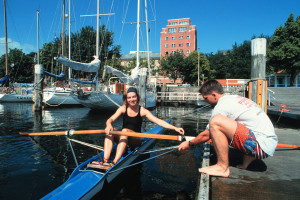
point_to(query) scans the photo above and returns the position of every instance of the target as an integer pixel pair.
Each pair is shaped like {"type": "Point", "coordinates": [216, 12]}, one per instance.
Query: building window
{"type": "Point", "coordinates": [166, 53]}
{"type": "Point", "coordinates": [181, 44]}
{"type": "Point", "coordinates": [183, 22]}
{"type": "Point", "coordinates": [188, 37]}
{"type": "Point", "coordinates": [181, 51]}
{"type": "Point", "coordinates": [166, 38]}
{"type": "Point", "coordinates": [188, 44]}
{"type": "Point", "coordinates": [166, 45]}
{"type": "Point", "coordinates": [188, 51]}
{"type": "Point", "coordinates": [173, 45]}
{"type": "Point", "coordinates": [173, 23]}
{"type": "Point", "coordinates": [182, 29]}
{"type": "Point", "coordinates": [172, 30]}
{"type": "Point", "coordinates": [173, 38]}
{"type": "Point", "coordinates": [173, 52]}
{"type": "Point", "coordinates": [180, 37]}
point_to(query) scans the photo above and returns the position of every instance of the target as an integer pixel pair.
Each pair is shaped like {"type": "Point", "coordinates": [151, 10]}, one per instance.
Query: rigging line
{"type": "Point", "coordinates": [88, 144]}
{"type": "Point", "coordinates": [112, 100]}
{"type": "Point", "coordinates": [160, 149]}
{"type": "Point", "coordinates": [52, 25]}
{"type": "Point", "coordinates": [142, 161]}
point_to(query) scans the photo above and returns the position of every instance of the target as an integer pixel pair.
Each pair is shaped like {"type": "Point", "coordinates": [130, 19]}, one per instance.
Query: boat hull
{"type": "Point", "coordinates": [59, 98]}
{"type": "Point", "coordinates": [16, 98]}
{"type": "Point", "coordinates": [84, 184]}
{"type": "Point", "coordinates": [106, 101]}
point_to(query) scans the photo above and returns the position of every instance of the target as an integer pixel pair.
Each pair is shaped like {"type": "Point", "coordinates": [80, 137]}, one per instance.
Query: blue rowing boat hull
{"type": "Point", "coordinates": [84, 183]}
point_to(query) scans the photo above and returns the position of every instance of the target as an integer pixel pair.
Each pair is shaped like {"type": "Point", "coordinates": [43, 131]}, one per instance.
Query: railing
{"type": "Point", "coordinates": [270, 96]}
{"type": "Point", "coordinates": [178, 96]}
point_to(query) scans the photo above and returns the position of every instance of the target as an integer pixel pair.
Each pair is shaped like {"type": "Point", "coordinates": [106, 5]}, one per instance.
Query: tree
{"type": "Point", "coordinates": [83, 47]}
{"type": "Point", "coordinates": [284, 48]}
{"type": "Point", "coordinates": [172, 65]}
{"type": "Point", "coordinates": [220, 65]}
{"type": "Point", "coordinates": [20, 66]}
{"type": "Point", "coordinates": [240, 60]}
{"type": "Point", "coordinates": [190, 71]}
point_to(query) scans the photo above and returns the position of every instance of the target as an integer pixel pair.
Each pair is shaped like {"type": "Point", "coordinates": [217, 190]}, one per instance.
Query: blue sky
{"type": "Point", "coordinates": [219, 23]}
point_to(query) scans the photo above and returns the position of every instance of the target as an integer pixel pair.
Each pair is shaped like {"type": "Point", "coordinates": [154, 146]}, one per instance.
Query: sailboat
{"type": "Point", "coordinates": [8, 94]}
{"type": "Point", "coordinates": [60, 95]}
{"type": "Point", "coordinates": [109, 97]}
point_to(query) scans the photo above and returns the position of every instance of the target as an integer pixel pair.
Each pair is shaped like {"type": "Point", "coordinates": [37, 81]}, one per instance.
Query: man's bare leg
{"type": "Point", "coordinates": [222, 130]}
{"type": "Point", "coordinates": [246, 161]}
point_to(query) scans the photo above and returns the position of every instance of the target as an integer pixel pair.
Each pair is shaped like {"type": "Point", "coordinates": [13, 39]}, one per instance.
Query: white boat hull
{"type": "Point", "coordinates": [58, 98]}
{"type": "Point", "coordinates": [16, 98]}
{"type": "Point", "coordinates": [105, 101]}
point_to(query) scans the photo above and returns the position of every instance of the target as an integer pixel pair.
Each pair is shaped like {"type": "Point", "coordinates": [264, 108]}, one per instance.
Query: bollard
{"type": "Point", "coordinates": [142, 86]}
{"type": "Point", "coordinates": [38, 89]}
{"type": "Point", "coordinates": [258, 83]}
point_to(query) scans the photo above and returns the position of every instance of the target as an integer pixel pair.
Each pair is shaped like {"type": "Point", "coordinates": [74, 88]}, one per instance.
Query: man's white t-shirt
{"type": "Point", "coordinates": [248, 113]}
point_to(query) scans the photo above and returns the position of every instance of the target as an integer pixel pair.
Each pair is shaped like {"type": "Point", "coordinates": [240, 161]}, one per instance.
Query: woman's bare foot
{"type": "Point", "coordinates": [215, 170]}
{"type": "Point", "coordinates": [246, 161]}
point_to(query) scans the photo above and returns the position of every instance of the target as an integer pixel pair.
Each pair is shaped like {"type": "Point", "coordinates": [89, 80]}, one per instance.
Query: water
{"type": "Point", "coordinates": [31, 167]}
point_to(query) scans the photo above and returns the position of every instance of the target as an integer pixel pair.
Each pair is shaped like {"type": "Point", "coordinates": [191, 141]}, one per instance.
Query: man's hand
{"type": "Point", "coordinates": [183, 146]}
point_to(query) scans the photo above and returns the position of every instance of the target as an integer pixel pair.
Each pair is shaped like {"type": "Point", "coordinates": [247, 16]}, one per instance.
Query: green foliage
{"type": "Point", "coordinates": [178, 66]}
{"type": "Point", "coordinates": [173, 65]}
{"type": "Point", "coordinates": [284, 48]}
{"type": "Point", "coordinates": [20, 66]}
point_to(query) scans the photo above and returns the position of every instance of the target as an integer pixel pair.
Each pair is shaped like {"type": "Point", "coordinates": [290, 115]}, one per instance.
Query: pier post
{"type": "Point", "coordinates": [142, 86]}
{"type": "Point", "coordinates": [38, 87]}
{"type": "Point", "coordinates": [258, 83]}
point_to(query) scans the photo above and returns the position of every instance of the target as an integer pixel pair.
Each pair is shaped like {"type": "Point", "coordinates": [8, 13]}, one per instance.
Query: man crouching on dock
{"type": "Point", "coordinates": [235, 121]}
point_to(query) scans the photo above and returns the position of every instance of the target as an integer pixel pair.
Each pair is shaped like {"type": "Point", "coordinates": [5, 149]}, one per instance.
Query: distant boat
{"type": "Point", "coordinates": [59, 95]}
{"type": "Point", "coordinates": [110, 97]}
{"type": "Point", "coordinates": [9, 94]}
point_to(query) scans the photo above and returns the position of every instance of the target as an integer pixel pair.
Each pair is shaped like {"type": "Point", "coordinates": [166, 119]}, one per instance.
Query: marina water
{"type": "Point", "coordinates": [31, 167]}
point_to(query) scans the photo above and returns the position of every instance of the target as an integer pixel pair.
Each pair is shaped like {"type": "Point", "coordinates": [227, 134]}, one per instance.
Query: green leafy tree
{"type": "Point", "coordinates": [284, 48]}
{"type": "Point", "coordinates": [83, 48]}
{"type": "Point", "coordinates": [220, 65]}
{"type": "Point", "coordinates": [240, 61]}
{"type": "Point", "coordinates": [172, 65]}
{"type": "Point", "coordinates": [20, 66]}
{"type": "Point", "coordinates": [190, 71]}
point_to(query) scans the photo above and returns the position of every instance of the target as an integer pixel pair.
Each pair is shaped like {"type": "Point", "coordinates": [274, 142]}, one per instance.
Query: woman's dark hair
{"type": "Point", "coordinates": [211, 86]}
{"type": "Point", "coordinates": [131, 89]}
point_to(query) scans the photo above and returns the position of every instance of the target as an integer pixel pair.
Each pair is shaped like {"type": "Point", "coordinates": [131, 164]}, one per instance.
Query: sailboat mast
{"type": "Point", "coordinates": [37, 40]}
{"type": "Point", "coordinates": [138, 36]}
{"type": "Point", "coordinates": [97, 34]}
{"type": "Point", "coordinates": [6, 44]}
{"type": "Point", "coordinates": [63, 33]}
{"type": "Point", "coordinates": [148, 52]}
{"type": "Point", "coordinates": [70, 37]}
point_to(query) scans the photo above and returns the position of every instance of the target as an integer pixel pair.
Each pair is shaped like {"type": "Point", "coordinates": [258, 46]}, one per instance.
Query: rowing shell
{"type": "Point", "coordinates": [84, 183]}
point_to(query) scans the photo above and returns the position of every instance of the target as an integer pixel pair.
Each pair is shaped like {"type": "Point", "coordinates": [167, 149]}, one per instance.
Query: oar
{"type": "Point", "coordinates": [71, 132]}
{"type": "Point", "coordinates": [156, 136]}
{"type": "Point", "coordinates": [131, 134]}
{"type": "Point", "coordinates": [134, 134]}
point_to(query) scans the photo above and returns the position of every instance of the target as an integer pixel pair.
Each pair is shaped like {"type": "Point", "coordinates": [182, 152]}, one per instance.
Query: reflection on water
{"type": "Point", "coordinates": [35, 166]}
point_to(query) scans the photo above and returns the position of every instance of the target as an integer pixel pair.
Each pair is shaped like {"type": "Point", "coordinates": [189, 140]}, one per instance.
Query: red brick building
{"type": "Point", "coordinates": [179, 35]}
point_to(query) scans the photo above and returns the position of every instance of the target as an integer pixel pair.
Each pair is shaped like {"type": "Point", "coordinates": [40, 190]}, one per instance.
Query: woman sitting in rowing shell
{"type": "Point", "coordinates": [132, 121]}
